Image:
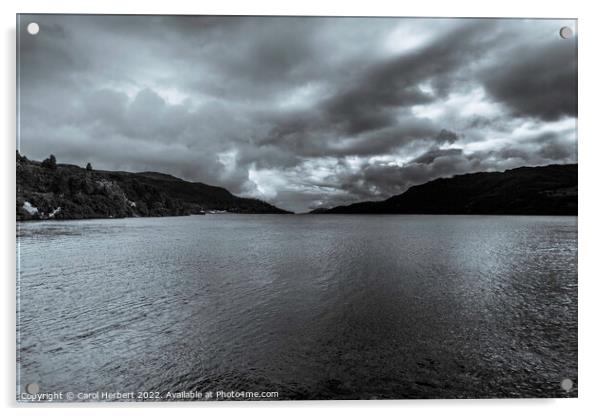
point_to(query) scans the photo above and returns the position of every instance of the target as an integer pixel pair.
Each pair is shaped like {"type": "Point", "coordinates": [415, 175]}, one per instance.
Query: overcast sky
{"type": "Point", "coordinates": [300, 112]}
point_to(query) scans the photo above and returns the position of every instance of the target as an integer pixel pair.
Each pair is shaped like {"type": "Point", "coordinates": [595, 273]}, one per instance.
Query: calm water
{"type": "Point", "coordinates": [309, 306]}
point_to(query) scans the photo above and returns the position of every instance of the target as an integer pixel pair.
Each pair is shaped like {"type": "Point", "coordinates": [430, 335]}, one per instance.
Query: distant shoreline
{"type": "Point", "coordinates": [28, 220]}
{"type": "Point", "coordinates": [298, 215]}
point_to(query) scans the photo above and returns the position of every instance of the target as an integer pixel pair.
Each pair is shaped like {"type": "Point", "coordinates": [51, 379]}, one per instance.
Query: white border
{"type": "Point", "coordinates": [590, 114]}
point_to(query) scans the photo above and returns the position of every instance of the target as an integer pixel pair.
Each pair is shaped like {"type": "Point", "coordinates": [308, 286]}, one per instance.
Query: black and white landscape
{"type": "Point", "coordinates": [446, 147]}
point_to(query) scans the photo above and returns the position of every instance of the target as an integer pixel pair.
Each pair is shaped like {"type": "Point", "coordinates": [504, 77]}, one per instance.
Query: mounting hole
{"type": "Point", "coordinates": [566, 32]}
{"type": "Point", "coordinates": [566, 384]}
{"type": "Point", "coordinates": [32, 388]}
{"type": "Point", "coordinates": [33, 28]}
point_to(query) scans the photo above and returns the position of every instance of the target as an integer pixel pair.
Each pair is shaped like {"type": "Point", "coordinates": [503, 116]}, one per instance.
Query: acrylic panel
{"type": "Point", "coordinates": [295, 208]}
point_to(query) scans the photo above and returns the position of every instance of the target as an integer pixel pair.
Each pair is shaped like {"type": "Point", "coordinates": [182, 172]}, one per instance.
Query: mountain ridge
{"type": "Point", "coordinates": [539, 190]}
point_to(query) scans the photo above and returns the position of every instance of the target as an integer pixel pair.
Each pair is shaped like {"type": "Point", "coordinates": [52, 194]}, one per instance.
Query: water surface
{"type": "Point", "coordinates": [310, 306]}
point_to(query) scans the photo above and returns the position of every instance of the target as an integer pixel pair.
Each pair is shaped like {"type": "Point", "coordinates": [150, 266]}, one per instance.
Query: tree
{"type": "Point", "coordinates": [50, 163]}
{"type": "Point", "coordinates": [88, 166]}
{"type": "Point", "coordinates": [21, 158]}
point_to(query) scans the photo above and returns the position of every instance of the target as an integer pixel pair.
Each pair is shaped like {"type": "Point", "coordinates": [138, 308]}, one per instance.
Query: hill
{"type": "Point", "coordinates": [49, 190]}
{"type": "Point", "coordinates": [542, 190]}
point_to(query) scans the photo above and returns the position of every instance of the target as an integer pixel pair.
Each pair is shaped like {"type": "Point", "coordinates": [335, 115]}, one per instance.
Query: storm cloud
{"type": "Point", "coordinates": [300, 112]}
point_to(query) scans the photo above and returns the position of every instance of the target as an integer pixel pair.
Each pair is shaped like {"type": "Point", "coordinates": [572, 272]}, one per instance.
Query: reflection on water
{"type": "Point", "coordinates": [309, 306]}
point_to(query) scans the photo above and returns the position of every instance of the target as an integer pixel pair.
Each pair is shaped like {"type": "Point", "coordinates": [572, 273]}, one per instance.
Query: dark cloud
{"type": "Point", "coordinates": [378, 181]}
{"type": "Point", "coordinates": [549, 147]}
{"type": "Point", "coordinates": [556, 150]}
{"type": "Point", "coordinates": [395, 82]}
{"type": "Point", "coordinates": [430, 156]}
{"type": "Point", "coordinates": [538, 81]}
{"type": "Point", "coordinates": [446, 136]}
{"type": "Point", "coordinates": [298, 111]}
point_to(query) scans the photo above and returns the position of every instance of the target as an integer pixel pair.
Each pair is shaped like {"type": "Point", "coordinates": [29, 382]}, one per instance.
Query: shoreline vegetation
{"type": "Point", "coordinates": [50, 191]}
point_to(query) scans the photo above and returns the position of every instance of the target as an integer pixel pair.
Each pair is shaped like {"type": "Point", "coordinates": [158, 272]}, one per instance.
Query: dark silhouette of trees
{"type": "Point", "coordinates": [88, 167]}
{"type": "Point", "coordinates": [50, 163]}
{"type": "Point", "coordinates": [21, 158]}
